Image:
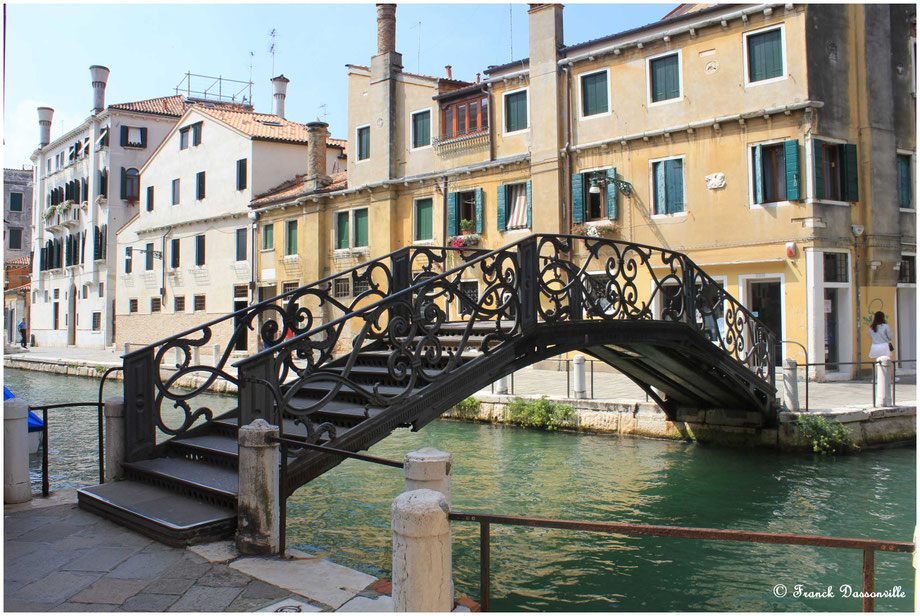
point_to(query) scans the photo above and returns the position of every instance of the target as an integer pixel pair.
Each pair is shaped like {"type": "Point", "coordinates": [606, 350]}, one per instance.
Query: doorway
{"type": "Point", "coordinates": [242, 339]}
{"type": "Point", "coordinates": [72, 316]}
{"type": "Point", "coordinates": [832, 329]}
{"type": "Point", "coordinates": [766, 304]}
{"type": "Point", "coordinates": [906, 327]}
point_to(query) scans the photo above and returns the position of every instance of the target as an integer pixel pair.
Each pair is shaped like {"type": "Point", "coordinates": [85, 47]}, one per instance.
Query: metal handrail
{"type": "Point", "coordinates": [868, 546]}
{"type": "Point", "coordinates": [894, 371]}
{"type": "Point", "coordinates": [44, 408]}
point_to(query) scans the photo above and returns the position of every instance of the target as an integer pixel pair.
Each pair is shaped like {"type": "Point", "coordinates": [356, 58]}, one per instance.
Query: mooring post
{"type": "Point", "coordinates": [196, 357]}
{"type": "Point", "coordinates": [258, 509]}
{"type": "Point", "coordinates": [114, 438]}
{"type": "Point", "coordinates": [501, 386]}
{"type": "Point", "coordinates": [216, 354]}
{"type": "Point", "coordinates": [16, 486]}
{"type": "Point", "coordinates": [429, 468]}
{"type": "Point", "coordinates": [790, 384]}
{"type": "Point", "coordinates": [422, 560]}
{"type": "Point", "coordinates": [883, 381]}
{"type": "Point", "coordinates": [581, 387]}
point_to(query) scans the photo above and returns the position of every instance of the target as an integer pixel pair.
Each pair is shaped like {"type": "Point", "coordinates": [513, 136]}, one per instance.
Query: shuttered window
{"type": "Point", "coordinates": [15, 202]}
{"type": "Point", "coordinates": [196, 133]}
{"type": "Point", "coordinates": [360, 222]}
{"type": "Point", "coordinates": [199, 185]}
{"type": "Point", "coordinates": [765, 55]}
{"type": "Point", "coordinates": [150, 198]}
{"type": "Point", "coordinates": [290, 238]}
{"type": "Point", "coordinates": [341, 230]}
{"type": "Point", "coordinates": [183, 138]}
{"type": "Point", "coordinates": [148, 254]}
{"type": "Point", "coordinates": [364, 143]}
{"type": "Point", "coordinates": [421, 129]}
{"type": "Point", "coordinates": [905, 184]}
{"type": "Point", "coordinates": [664, 74]}
{"type": "Point", "coordinates": [199, 250]}
{"type": "Point", "coordinates": [594, 94]}
{"type": "Point", "coordinates": [836, 171]}
{"type": "Point", "coordinates": [516, 111]}
{"type": "Point", "coordinates": [668, 186]}
{"type": "Point", "coordinates": [241, 244]}
{"type": "Point", "coordinates": [174, 253]}
{"type": "Point", "coordinates": [775, 172]}
{"type": "Point", "coordinates": [241, 174]}
{"type": "Point", "coordinates": [268, 236]}
{"type": "Point", "coordinates": [175, 192]}
{"type": "Point", "coordinates": [423, 222]}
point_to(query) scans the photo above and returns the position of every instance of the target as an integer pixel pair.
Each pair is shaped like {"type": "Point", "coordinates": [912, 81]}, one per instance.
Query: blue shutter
{"type": "Point", "coordinates": [124, 183]}
{"type": "Point", "coordinates": [905, 196]}
{"type": "Point", "coordinates": [850, 179]}
{"type": "Point", "coordinates": [578, 198]}
{"type": "Point", "coordinates": [758, 174]}
{"type": "Point", "coordinates": [818, 166]}
{"type": "Point", "coordinates": [500, 207]}
{"type": "Point", "coordinates": [452, 214]}
{"type": "Point", "coordinates": [143, 136]}
{"type": "Point", "coordinates": [529, 205]}
{"type": "Point", "coordinates": [612, 195]}
{"type": "Point", "coordinates": [124, 136]}
{"type": "Point", "coordinates": [674, 179]}
{"type": "Point", "coordinates": [793, 183]}
{"type": "Point", "coordinates": [479, 210]}
{"type": "Point", "coordinates": [661, 205]}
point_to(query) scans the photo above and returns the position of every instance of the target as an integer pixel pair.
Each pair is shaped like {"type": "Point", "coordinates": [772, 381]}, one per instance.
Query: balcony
{"type": "Point", "coordinates": [456, 144]}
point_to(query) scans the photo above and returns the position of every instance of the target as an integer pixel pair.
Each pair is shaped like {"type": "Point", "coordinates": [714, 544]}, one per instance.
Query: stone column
{"type": "Point", "coordinates": [16, 486]}
{"type": "Point", "coordinates": [258, 509]}
{"type": "Point", "coordinates": [790, 384]}
{"type": "Point", "coordinates": [114, 437]}
{"type": "Point", "coordinates": [422, 561]}
{"type": "Point", "coordinates": [883, 381]}
{"type": "Point", "coordinates": [216, 354]}
{"type": "Point", "coordinates": [501, 386]}
{"type": "Point", "coordinates": [429, 468]}
{"type": "Point", "coordinates": [578, 367]}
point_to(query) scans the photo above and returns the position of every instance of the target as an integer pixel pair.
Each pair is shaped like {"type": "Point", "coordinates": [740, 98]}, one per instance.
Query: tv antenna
{"type": "Point", "coordinates": [323, 107]}
{"type": "Point", "coordinates": [511, 29]}
{"type": "Point", "coordinates": [273, 48]}
{"type": "Point", "coordinates": [418, 58]}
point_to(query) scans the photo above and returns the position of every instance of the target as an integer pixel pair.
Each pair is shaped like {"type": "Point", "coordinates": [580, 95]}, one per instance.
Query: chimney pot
{"type": "Point", "coordinates": [449, 69]}
{"type": "Point", "coordinates": [45, 114]}
{"type": "Point", "coordinates": [386, 28]}
{"type": "Point", "coordinates": [99, 76]}
{"type": "Point", "coordinates": [279, 92]}
{"type": "Point", "coordinates": [477, 77]}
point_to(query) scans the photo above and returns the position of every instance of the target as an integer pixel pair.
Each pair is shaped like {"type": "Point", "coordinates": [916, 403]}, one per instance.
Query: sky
{"type": "Point", "coordinates": [150, 47]}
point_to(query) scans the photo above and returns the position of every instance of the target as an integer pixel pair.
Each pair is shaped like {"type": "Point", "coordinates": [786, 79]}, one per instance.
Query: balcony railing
{"type": "Point", "coordinates": [449, 144]}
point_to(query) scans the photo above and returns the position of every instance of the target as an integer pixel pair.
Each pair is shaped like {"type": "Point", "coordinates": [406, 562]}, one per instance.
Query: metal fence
{"type": "Point", "coordinates": [858, 364]}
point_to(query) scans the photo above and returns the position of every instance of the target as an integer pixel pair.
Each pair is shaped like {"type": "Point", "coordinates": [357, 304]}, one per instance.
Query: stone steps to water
{"type": "Point", "coordinates": [220, 481]}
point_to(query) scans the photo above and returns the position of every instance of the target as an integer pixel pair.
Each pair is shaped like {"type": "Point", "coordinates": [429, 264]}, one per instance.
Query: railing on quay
{"type": "Point", "coordinates": [859, 364]}
{"type": "Point", "coordinates": [568, 378]}
{"type": "Point", "coordinates": [868, 546]}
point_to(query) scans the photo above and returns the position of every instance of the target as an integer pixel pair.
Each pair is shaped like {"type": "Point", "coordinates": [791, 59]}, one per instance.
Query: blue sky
{"type": "Point", "coordinates": [150, 47]}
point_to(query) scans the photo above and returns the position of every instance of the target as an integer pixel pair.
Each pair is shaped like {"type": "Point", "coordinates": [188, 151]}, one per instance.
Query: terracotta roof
{"type": "Point", "coordinates": [27, 285]}
{"type": "Point", "coordinates": [166, 105]}
{"type": "Point", "coordinates": [298, 188]}
{"type": "Point", "coordinates": [23, 261]}
{"type": "Point", "coordinates": [262, 125]}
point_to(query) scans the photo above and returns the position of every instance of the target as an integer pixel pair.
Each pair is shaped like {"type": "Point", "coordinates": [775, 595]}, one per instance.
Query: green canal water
{"type": "Point", "coordinates": [344, 515]}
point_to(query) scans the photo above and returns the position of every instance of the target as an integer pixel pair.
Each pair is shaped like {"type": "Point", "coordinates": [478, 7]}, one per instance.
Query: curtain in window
{"type": "Point", "coordinates": [517, 206]}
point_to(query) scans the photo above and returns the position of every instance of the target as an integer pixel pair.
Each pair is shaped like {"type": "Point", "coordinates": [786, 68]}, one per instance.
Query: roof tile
{"type": "Point", "coordinates": [166, 105]}
{"type": "Point", "coordinates": [262, 125]}
{"type": "Point", "coordinates": [298, 188]}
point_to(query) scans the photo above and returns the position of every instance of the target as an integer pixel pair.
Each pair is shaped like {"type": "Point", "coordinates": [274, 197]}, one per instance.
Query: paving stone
{"type": "Point", "coordinates": [108, 590]}
{"type": "Point", "coordinates": [15, 605]}
{"type": "Point", "coordinates": [190, 566]}
{"type": "Point", "coordinates": [291, 605]}
{"type": "Point", "coordinates": [246, 604]}
{"type": "Point", "coordinates": [79, 517]}
{"type": "Point", "coordinates": [78, 541]}
{"type": "Point", "coordinates": [257, 589]}
{"type": "Point", "coordinates": [381, 603]}
{"type": "Point", "coordinates": [49, 533]}
{"type": "Point", "coordinates": [146, 566]}
{"type": "Point", "coordinates": [38, 564]}
{"type": "Point", "coordinates": [217, 551]}
{"type": "Point", "coordinates": [314, 578]}
{"type": "Point", "coordinates": [221, 575]}
{"type": "Point", "coordinates": [100, 559]}
{"type": "Point", "coordinates": [205, 599]}
{"type": "Point", "coordinates": [19, 523]}
{"type": "Point", "coordinates": [118, 538]}
{"type": "Point", "coordinates": [170, 585]}
{"type": "Point", "coordinates": [85, 607]}
{"type": "Point", "coordinates": [146, 602]}
{"type": "Point", "coordinates": [14, 549]}
{"type": "Point", "coordinates": [56, 587]}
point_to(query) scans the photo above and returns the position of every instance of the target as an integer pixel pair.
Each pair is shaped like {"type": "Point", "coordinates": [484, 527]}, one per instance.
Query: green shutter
{"type": "Point", "coordinates": [423, 219]}
{"type": "Point", "coordinates": [594, 94]}
{"type": "Point", "coordinates": [793, 183]}
{"type": "Point", "coordinates": [360, 228]}
{"type": "Point", "coordinates": [421, 129]}
{"type": "Point", "coordinates": [341, 223]}
{"type": "Point", "coordinates": [500, 206]}
{"type": "Point", "coordinates": [479, 213]}
{"type": "Point", "coordinates": [665, 75]}
{"type": "Point", "coordinates": [578, 198]}
{"type": "Point", "coordinates": [850, 179]}
{"type": "Point", "coordinates": [674, 179]}
{"type": "Point", "coordinates": [529, 205]}
{"type": "Point", "coordinates": [452, 214]}
{"type": "Point", "coordinates": [661, 206]}
{"type": "Point", "coordinates": [765, 55]}
{"type": "Point", "coordinates": [905, 194]}
{"type": "Point", "coordinates": [516, 111]}
{"type": "Point", "coordinates": [818, 167]}
{"type": "Point", "coordinates": [758, 174]}
{"type": "Point", "coordinates": [612, 195]}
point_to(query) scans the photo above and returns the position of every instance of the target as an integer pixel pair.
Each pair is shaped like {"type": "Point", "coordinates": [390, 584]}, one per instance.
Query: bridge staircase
{"type": "Point", "coordinates": [415, 337]}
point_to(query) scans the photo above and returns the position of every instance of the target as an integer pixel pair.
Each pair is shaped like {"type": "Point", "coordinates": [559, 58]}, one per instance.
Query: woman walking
{"type": "Point", "coordinates": [881, 336]}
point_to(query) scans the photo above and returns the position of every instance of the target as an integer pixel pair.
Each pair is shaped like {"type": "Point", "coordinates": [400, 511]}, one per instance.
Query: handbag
{"type": "Point", "coordinates": [890, 347]}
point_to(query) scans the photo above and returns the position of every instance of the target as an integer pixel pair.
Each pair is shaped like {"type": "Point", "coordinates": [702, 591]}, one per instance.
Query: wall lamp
{"type": "Point", "coordinates": [599, 179]}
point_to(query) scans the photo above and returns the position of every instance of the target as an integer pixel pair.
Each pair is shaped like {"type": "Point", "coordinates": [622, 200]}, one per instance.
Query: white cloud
{"type": "Point", "coordinates": [20, 131]}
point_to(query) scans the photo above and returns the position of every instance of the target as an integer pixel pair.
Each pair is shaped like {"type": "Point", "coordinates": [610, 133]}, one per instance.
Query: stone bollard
{"type": "Point", "coordinates": [127, 345]}
{"type": "Point", "coordinates": [196, 357]}
{"type": "Point", "coordinates": [258, 510]}
{"type": "Point", "coordinates": [501, 386]}
{"type": "Point", "coordinates": [114, 438]}
{"type": "Point", "coordinates": [429, 468]}
{"type": "Point", "coordinates": [216, 354]}
{"type": "Point", "coordinates": [883, 381]}
{"type": "Point", "coordinates": [790, 384]}
{"type": "Point", "coordinates": [422, 561]}
{"type": "Point", "coordinates": [16, 486]}
{"type": "Point", "coordinates": [578, 367]}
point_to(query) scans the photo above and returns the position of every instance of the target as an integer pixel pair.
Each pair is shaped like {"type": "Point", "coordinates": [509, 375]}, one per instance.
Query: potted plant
{"type": "Point", "coordinates": [466, 226]}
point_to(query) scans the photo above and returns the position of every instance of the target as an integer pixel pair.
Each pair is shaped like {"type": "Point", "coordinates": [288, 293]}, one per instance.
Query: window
{"type": "Point", "coordinates": [150, 198]}
{"type": "Point", "coordinates": [465, 117]}
{"type": "Point", "coordinates": [464, 206]}
{"type": "Point", "coordinates": [268, 236]}
{"type": "Point", "coordinates": [360, 286]}
{"type": "Point", "coordinates": [908, 272]}
{"type": "Point", "coordinates": [130, 184]}
{"type": "Point", "coordinates": [341, 230]}
{"type": "Point", "coordinates": [148, 253]}
{"type": "Point", "coordinates": [199, 303]}
{"type": "Point", "coordinates": [905, 183]}
{"type": "Point", "coordinates": [764, 55]}
{"type": "Point", "coordinates": [835, 171]}
{"type": "Point", "coordinates": [15, 239]}
{"type": "Point", "coordinates": [101, 289]}
{"type": "Point", "coordinates": [241, 174]}
{"type": "Point", "coordinates": [183, 138]}
{"type": "Point", "coordinates": [199, 250]}
{"type": "Point", "coordinates": [668, 186]}
{"type": "Point", "coordinates": [342, 287]}
{"type": "Point", "coordinates": [351, 229]}
{"type": "Point", "coordinates": [290, 238]}
{"type": "Point", "coordinates": [85, 291]}
{"type": "Point", "coordinates": [421, 129]}
{"type": "Point", "coordinates": [664, 78]}
{"type": "Point", "coordinates": [423, 226]}
{"type": "Point", "coordinates": [97, 321]}
{"type": "Point", "coordinates": [835, 267]}
{"type": "Point", "coordinates": [15, 202]}
{"type": "Point", "coordinates": [775, 172]}
{"type": "Point", "coordinates": [471, 290]}
{"type": "Point", "coordinates": [364, 143]}
{"type": "Point", "coordinates": [179, 303]}
{"type": "Point", "coordinates": [514, 206]}
{"type": "Point", "coordinates": [175, 192]}
{"type": "Point", "coordinates": [594, 195]}
{"type": "Point", "coordinates": [57, 294]}
{"type": "Point", "coordinates": [196, 133]}
{"type": "Point", "coordinates": [290, 285]}
{"type": "Point", "coordinates": [174, 253]}
{"type": "Point", "coordinates": [241, 244]}
{"type": "Point", "coordinates": [240, 291]}
{"type": "Point", "coordinates": [199, 185]}
{"type": "Point", "coordinates": [128, 259]}
{"type": "Point", "coordinates": [133, 137]}
{"type": "Point", "coordinates": [155, 304]}
{"type": "Point", "coordinates": [594, 93]}
{"type": "Point", "coordinates": [360, 224]}
{"type": "Point", "coordinates": [132, 305]}
{"type": "Point", "coordinates": [516, 111]}
{"type": "Point", "coordinates": [104, 183]}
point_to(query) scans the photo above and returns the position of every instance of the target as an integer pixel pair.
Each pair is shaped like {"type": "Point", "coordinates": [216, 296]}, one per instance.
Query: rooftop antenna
{"type": "Point", "coordinates": [273, 47]}
{"type": "Point", "coordinates": [511, 30]}
{"type": "Point", "coordinates": [323, 107]}
{"type": "Point", "coordinates": [418, 58]}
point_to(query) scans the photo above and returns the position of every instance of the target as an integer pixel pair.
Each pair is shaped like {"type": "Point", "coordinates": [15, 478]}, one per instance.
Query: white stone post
{"type": "Point", "coordinates": [258, 509]}
{"type": "Point", "coordinates": [127, 345]}
{"type": "Point", "coordinates": [16, 486]}
{"type": "Point", "coordinates": [196, 357]}
{"type": "Point", "coordinates": [429, 468]}
{"type": "Point", "coordinates": [114, 437]}
{"type": "Point", "coordinates": [422, 561]}
{"type": "Point", "coordinates": [216, 354]}
{"type": "Point", "coordinates": [883, 381]}
{"type": "Point", "coordinates": [790, 384]}
{"type": "Point", "coordinates": [501, 386]}
{"type": "Point", "coordinates": [578, 367]}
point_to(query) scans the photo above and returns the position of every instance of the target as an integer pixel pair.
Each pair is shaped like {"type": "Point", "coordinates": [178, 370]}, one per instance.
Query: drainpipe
{"type": "Point", "coordinates": [488, 91]}
{"type": "Point", "coordinates": [854, 229]}
{"type": "Point", "coordinates": [445, 202]}
{"type": "Point", "coordinates": [254, 219]}
{"type": "Point", "coordinates": [163, 265]}
{"type": "Point", "coordinates": [567, 152]}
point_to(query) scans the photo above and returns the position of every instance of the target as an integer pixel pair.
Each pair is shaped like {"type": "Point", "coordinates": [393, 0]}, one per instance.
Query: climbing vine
{"type": "Point", "coordinates": [826, 437]}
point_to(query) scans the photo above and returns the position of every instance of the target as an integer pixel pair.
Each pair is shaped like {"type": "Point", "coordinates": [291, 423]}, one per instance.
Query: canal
{"type": "Point", "coordinates": [344, 515]}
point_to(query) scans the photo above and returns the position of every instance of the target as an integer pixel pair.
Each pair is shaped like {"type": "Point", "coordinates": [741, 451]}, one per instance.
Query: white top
{"type": "Point", "coordinates": [882, 335]}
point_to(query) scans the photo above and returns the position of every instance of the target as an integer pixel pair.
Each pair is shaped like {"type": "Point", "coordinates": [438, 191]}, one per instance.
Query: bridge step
{"type": "Point", "coordinates": [219, 482]}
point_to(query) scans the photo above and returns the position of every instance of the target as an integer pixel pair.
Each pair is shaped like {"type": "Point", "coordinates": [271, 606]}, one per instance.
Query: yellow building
{"type": "Point", "coordinates": [774, 144]}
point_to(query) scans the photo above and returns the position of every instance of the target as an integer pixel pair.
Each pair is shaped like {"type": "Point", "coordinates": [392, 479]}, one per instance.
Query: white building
{"type": "Point", "coordinates": [186, 258]}
{"type": "Point", "coordinates": [86, 186]}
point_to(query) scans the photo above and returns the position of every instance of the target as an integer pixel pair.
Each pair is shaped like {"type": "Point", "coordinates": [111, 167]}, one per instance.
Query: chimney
{"type": "Point", "coordinates": [44, 125]}
{"type": "Point", "coordinates": [450, 74]}
{"type": "Point", "coordinates": [100, 76]}
{"type": "Point", "coordinates": [316, 154]}
{"type": "Point", "coordinates": [386, 28]}
{"type": "Point", "coordinates": [279, 90]}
